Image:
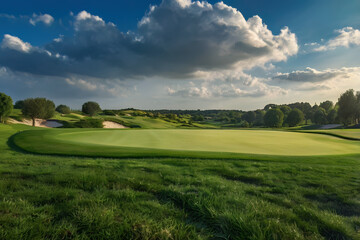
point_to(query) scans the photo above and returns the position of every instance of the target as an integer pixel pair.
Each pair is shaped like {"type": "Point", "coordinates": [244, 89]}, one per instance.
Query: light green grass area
{"type": "Point", "coordinates": [181, 142]}
{"type": "Point", "coordinates": [53, 197]}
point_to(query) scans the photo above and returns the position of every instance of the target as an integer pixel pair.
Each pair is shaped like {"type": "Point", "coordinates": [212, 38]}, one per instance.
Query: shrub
{"type": "Point", "coordinates": [89, 123]}
{"type": "Point", "coordinates": [63, 109]}
{"type": "Point", "coordinates": [109, 112]}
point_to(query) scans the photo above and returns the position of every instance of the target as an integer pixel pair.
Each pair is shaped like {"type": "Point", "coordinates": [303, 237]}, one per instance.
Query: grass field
{"type": "Point", "coordinates": [273, 197]}
{"type": "Point", "coordinates": [180, 142]}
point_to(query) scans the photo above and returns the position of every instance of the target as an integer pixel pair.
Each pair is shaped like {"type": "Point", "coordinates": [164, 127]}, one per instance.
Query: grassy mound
{"type": "Point", "coordinates": [181, 143]}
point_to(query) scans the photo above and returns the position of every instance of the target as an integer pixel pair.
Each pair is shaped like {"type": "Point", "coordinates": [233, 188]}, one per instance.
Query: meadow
{"type": "Point", "coordinates": [242, 197]}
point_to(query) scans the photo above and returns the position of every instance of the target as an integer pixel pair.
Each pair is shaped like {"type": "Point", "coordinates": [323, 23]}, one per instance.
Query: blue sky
{"type": "Point", "coordinates": [181, 53]}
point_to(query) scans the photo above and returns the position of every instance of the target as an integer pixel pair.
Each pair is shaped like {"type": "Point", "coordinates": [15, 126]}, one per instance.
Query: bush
{"type": "Point", "coordinates": [274, 118]}
{"type": "Point", "coordinates": [91, 108]}
{"type": "Point", "coordinates": [244, 124]}
{"type": "Point", "coordinates": [109, 112]}
{"type": "Point", "coordinates": [89, 123]}
{"type": "Point", "coordinates": [63, 109]}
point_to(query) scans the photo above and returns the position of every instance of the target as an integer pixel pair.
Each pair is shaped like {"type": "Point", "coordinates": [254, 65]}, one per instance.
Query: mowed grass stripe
{"type": "Point", "coordinates": [178, 143]}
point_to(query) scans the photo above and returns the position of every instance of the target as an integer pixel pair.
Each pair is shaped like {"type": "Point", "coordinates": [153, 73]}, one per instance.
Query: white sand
{"type": "Point", "coordinates": [38, 123]}
{"type": "Point", "coordinates": [109, 124]}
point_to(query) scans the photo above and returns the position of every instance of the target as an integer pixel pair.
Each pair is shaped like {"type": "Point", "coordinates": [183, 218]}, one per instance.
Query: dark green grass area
{"type": "Point", "coordinates": [53, 197]}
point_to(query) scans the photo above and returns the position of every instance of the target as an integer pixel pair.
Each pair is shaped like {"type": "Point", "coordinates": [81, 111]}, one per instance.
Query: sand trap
{"type": "Point", "coordinates": [109, 124]}
{"type": "Point", "coordinates": [38, 123]}
{"type": "Point", "coordinates": [330, 126]}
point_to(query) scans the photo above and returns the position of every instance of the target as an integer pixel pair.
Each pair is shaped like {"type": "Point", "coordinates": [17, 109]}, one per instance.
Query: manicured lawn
{"type": "Point", "coordinates": [272, 197]}
{"type": "Point", "coordinates": [181, 142]}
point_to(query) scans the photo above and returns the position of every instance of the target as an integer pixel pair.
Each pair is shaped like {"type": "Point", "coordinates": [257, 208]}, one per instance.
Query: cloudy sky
{"type": "Point", "coordinates": [180, 54]}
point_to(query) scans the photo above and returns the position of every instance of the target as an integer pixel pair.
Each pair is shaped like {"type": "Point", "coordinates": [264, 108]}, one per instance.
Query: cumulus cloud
{"type": "Point", "coordinates": [227, 85]}
{"type": "Point", "coordinates": [15, 43]}
{"type": "Point", "coordinates": [313, 75]}
{"type": "Point", "coordinates": [176, 39]}
{"type": "Point", "coordinates": [41, 18]}
{"type": "Point", "coordinates": [346, 37]}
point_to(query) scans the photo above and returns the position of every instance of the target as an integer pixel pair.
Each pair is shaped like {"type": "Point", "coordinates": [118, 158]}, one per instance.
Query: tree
{"type": "Point", "coordinates": [295, 117]}
{"type": "Point", "coordinates": [320, 116]}
{"type": "Point", "coordinates": [285, 109]}
{"type": "Point", "coordinates": [327, 105]}
{"type": "Point", "coordinates": [249, 117]}
{"type": "Point", "coordinates": [305, 107]}
{"type": "Point", "coordinates": [270, 106]}
{"type": "Point", "coordinates": [38, 108]}
{"type": "Point", "coordinates": [6, 106]}
{"type": "Point", "coordinates": [259, 121]}
{"type": "Point", "coordinates": [91, 108]}
{"type": "Point", "coordinates": [347, 107]}
{"type": "Point", "coordinates": [332, 116]}
{"type": "Point", "coordinates": [274, 118]}
{"type": "Point", "coordinates": [63, 109]}
{"type": "Point", "coordinates": [19, 104]}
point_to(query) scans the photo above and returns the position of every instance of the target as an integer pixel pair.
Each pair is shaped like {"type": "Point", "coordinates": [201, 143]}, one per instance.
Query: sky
{"type": "Point", "coordinates": [179, 54]}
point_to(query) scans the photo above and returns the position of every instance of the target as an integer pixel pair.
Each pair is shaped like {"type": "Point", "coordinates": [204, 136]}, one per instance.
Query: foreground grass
{"type": "Point", "coordinates": [47, 197]}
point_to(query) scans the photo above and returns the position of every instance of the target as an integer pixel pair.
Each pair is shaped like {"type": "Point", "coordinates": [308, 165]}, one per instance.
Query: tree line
{"type": "Point", "coordinates": [346, 111]}
{"type": "Point", "coordinates": [41, 108]}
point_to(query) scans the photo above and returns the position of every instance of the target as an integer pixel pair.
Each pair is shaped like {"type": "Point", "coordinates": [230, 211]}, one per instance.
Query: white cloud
{"type": "Point", "coordinates": [210, 44]}
{"type": "Point", "coordinates": [313, 75]}
{"type": "Point", "coordinates": [15, 43]}
{"type": "Point", "coordinates": [346, 37]}
{"type": "Point", "coordinates": [8, 16]}
{"type": "Point", "coordinates": [43, 18]}
{"type": "Point", "coordinates": [227, 85]}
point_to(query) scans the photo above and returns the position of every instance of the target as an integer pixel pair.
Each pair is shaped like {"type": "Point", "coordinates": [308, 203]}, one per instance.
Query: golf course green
{"type": "Point", "coordinates": [181, 143]}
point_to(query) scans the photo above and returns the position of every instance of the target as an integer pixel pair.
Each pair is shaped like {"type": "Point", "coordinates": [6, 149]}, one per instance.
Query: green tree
{"type": "Point", "coordinates": [285, 109]}
{"type": "Point", "coordinates": [327, 105]}
{"type": "Point", "coordinates": [6, 106]}
{"type": "Point", "coordinates": [249, 117]}
{"type": "Point", "coordinates": [38, 108]}
{"type": "Point", "coordinates": [19, 104]}
{"type": "Point", "coordinates": [295, 117]}
{"type": "Point", "coordinates": [348, 107]}
{"type": "Point", "coordinates": [63, 109]}
{"type": "Point", "coordinates": [332, 116]}
{"type": "Point", "coordinates": [274, 118]}
{"type": "Point", "coordinates": [320, 116]}
{"type": "Point", "coordinates": [91, 108]}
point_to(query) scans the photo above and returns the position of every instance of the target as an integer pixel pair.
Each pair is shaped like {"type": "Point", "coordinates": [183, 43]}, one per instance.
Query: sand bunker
{"type": "Point", "coordinates": [109, 124]}
{"type": "Point", "coordinates": [38, 123]}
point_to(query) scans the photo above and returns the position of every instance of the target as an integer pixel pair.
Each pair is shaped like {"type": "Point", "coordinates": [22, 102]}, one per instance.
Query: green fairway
{"type": "Point", "coordinates": [180, 142]}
